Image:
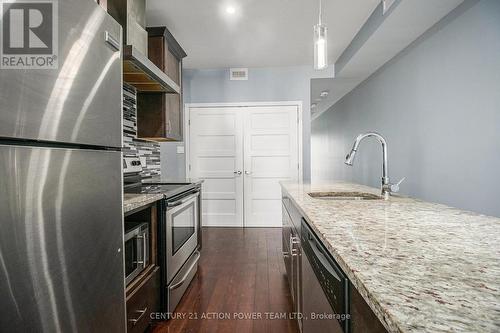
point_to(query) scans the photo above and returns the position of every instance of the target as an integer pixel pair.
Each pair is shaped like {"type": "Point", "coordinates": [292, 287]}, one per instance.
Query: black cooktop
{"type": "Point", "coordinates": [168, 190]}
{"type": "Point", "coordinates": [165, 188]}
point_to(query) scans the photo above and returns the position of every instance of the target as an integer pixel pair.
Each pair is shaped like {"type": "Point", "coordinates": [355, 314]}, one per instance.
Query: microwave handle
{"type": "Point", "coordinates": [144, 253]}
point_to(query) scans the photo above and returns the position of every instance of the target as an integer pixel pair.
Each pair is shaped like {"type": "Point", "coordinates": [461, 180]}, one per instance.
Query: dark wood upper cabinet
{"type": "Point", "coordinates": [159, 115]}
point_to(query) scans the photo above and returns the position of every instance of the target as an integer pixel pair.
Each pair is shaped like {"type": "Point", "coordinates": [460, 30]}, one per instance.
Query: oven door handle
{"type": "Point", "coordinates": [180, 202]}
{"type": "Point", "coordinates": [181, 282]}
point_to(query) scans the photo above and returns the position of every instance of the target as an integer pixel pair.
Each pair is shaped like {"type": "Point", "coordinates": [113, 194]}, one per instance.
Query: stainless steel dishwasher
{"type": "Point", "coordinates": [325, 288]}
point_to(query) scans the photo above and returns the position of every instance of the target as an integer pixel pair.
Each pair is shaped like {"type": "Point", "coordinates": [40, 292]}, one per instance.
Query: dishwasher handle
{"type": "Point", "coordinates": [321, 257]}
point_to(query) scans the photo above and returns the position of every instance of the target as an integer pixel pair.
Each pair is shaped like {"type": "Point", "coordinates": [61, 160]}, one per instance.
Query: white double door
{"type": "Point", "coordinates": [242, 153]}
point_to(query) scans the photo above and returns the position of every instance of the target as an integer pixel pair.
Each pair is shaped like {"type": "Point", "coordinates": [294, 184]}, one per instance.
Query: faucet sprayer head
{"type": "Point", "coordinates": [349, 159]}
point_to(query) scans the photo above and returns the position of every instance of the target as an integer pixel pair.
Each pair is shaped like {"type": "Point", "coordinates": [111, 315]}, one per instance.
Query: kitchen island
{"type": "Point", "coordinates": [421, 267]}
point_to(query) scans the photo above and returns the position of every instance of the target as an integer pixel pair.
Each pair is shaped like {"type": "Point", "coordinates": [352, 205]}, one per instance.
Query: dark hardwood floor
{"type": "Point", "coordinates": [241, 273]}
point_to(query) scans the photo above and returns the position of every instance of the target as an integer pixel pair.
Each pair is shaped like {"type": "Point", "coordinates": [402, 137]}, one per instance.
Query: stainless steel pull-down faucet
{"type": "Point", "coordinates": [387, 187]}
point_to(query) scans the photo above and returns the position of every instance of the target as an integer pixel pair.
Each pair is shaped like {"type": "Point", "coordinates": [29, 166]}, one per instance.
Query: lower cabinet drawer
{"type": "Point", "coordinates": [143, 301]}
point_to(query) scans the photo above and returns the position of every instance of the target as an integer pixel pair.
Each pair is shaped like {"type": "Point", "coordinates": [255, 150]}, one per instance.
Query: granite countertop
{"type": "Point", "coordinates": [421, 267]}
{"type": "Point", "coordinates": [134, 201]}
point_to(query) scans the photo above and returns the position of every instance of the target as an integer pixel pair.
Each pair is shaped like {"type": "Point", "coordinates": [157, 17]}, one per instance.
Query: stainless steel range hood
{"type": "Point", "coordinates": [138, 70]}
{"type": "Point", "coordinates": [145, 76]}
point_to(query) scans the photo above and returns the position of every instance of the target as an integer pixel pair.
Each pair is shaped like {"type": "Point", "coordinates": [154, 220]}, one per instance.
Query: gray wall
{"type": "Point", "coordinates": [173, 164]}
{"type": "Point", "coordinates": [438, 105]}
{"type": "Point", "coordinates": [263, 85]}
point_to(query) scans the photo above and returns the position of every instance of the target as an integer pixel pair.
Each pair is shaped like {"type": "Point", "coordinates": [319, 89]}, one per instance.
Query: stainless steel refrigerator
{"type": "Point", "coordinates": [61, 229]}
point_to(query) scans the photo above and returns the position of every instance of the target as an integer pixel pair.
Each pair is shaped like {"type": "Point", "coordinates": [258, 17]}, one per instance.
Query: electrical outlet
{"type": "Point", "coordinates": [180, 149]}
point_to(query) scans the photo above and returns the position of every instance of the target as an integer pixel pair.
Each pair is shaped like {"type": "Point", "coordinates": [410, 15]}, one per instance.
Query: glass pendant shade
{"type": "Point", "coordinates": [320, 47]}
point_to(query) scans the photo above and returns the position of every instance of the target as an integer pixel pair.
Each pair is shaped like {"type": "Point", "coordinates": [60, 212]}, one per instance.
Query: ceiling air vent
{"type": "Point", "coordinates": [238, 74]}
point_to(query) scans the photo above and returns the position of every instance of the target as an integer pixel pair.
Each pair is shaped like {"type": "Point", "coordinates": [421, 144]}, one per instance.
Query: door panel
{"type": "Point", "coordinates": [262, 142]}
{"type": "Point", "coordinates": [216, 150]}
{"type": "Point", "coordinates": [271, 155]}
{"type": "Point", "coordinates": [80, 102]}
{"type": "Point", "coordinates": [61, 230]}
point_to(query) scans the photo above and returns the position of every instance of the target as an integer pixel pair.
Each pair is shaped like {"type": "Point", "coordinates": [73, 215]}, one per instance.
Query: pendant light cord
{"type": "Point", "coordinates": [320, 12]}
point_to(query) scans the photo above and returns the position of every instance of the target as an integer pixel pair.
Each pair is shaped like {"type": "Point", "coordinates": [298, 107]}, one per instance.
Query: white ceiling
{"type": "Point", "coordinates": [262, 33]}
{"type": "Point", "coordinates": [382, 40]}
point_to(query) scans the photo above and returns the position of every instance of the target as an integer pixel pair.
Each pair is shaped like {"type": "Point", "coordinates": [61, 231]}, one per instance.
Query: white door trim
{"type": "Point", "coordinates": [187, 132]}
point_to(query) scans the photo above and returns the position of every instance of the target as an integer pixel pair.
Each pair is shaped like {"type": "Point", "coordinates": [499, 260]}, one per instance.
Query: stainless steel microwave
{"type": "Point", "coordinates": [136, 250]}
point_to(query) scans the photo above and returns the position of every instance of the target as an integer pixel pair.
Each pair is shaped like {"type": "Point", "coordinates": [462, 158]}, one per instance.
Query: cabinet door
{"type": "Point", "coordinates": [173, 105]}
{"type": "Point", "coordinates": [173, 66]}
{"type": "Point", "coordinates": [295, 252]}
{"type": "Point", "coordinates": [286, 231]}
{"type": "Point", "coordinates": [173, 114]}
{"type": "Point", "coordinates": [144, 301]}
{"type": "Point", "coordinates": [151, 117]}
{"type": "Point", "coordinates": [156, 51]}
{"type": "Point", "coordinates": [159, 116]}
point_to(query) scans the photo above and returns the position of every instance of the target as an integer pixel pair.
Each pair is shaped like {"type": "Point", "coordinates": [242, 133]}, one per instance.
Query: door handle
{"type": "Point", "coordinates": [111, 41]}
{"type": "Point", "coordinates": [237, 172]}
{"type": "Point", "coordinates": [248, 173]}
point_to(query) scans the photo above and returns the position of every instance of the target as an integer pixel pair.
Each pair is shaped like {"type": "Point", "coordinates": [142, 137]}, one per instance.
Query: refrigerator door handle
{"type": "Point", "coordinates": [111, 41]}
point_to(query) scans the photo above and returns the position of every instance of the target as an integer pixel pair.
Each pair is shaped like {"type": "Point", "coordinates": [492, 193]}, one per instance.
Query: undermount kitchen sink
{"type": "Point", "coordinates": [344, 196]}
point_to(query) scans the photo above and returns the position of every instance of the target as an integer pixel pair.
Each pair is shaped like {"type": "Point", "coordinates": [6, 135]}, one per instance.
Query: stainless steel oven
{"type": "Point", "coordinates": [136, 249]}
{"type": "Point", "coordinates": [181, 243]}
{"type": "Point", "coordinates": [181, 230]}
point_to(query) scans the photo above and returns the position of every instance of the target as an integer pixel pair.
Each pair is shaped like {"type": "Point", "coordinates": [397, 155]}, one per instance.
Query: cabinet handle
{"type": "Point", "coordinates": [237, 172]}
{"type": "Point", "coordinates": [141, 314]}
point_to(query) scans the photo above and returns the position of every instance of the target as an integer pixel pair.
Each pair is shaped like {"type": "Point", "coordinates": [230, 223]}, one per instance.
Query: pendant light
{"type": "Point", "coordinates": [320, 44]}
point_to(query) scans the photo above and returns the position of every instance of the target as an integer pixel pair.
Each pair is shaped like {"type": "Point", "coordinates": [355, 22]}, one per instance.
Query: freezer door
{"type": "Point", "coordinates": [81, 101]}
{"type": "Point", "coordinates": [61, 234]}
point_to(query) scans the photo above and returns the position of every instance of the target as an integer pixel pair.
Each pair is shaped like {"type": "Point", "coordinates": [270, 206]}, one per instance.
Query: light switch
{"type": "Point", "coordinates": [180, 149]}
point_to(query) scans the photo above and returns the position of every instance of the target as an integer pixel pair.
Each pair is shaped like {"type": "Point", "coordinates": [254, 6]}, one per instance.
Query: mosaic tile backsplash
{"type": "Point", "coordinates": [147, 151]}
